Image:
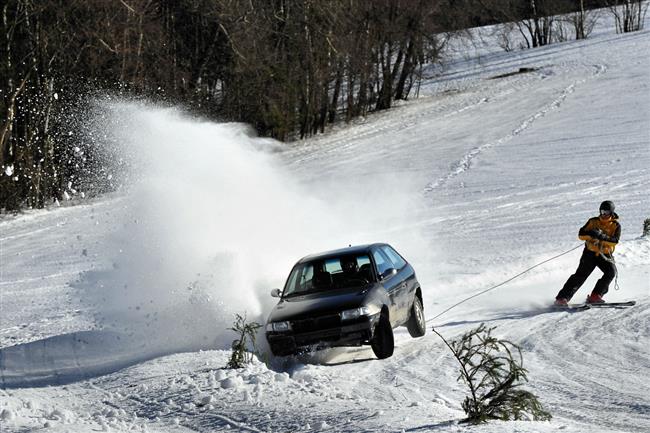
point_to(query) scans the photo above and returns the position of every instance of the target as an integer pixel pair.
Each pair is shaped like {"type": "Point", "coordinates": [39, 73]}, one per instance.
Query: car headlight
{"type": "Point", "coordinates": [278, 326]}
{"type": "Point", "coordinates": [355, 313]}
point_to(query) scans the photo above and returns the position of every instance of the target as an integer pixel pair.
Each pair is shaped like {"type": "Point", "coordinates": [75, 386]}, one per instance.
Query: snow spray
{"type": "Point", "coordinates": [209, 222]}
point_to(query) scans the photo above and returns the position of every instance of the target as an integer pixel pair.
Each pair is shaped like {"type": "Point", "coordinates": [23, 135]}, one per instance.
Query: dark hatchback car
{"type": "Point", "coordinates": [347, 297]}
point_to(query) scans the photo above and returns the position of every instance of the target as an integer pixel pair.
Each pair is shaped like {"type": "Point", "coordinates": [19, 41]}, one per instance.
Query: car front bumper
{"type": "Point", "coordinates": [353, 334]}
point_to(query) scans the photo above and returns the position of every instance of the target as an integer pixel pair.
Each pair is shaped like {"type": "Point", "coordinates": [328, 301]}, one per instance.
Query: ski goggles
{"type": "Point", "coordinates": [604, 212]}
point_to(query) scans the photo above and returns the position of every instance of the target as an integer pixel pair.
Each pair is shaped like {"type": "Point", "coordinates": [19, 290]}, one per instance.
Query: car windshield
{"type": "Point", "coordinates": [329, 273]}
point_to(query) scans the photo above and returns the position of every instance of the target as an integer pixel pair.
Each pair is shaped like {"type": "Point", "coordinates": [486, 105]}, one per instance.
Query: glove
{"type": "Point", "coordinates": [600, 235]}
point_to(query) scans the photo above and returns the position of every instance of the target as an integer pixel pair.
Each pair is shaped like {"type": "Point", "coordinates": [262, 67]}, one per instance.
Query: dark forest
{"type": "Point", "coordinates": [289, 68]}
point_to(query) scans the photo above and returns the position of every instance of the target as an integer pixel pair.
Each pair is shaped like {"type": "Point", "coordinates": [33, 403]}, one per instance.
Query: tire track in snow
{"type": "Point", "coordinates": [465, 163]}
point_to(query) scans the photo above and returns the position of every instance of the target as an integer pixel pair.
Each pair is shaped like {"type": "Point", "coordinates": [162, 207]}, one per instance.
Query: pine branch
{"type": "Point", "coordinates": [493, 371]}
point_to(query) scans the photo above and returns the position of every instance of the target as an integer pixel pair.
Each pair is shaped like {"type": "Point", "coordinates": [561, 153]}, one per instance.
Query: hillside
{"type": "Point", "coordinates": [115, 311]}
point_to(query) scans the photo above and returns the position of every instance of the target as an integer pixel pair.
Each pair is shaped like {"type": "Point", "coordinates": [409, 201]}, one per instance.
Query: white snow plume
{"type": "Point", "coordinates": [209, 224]}
{"type": "Point", "coordinates": [202, 229]}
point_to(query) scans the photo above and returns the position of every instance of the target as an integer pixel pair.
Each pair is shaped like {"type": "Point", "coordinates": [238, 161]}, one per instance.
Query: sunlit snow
{"type": "Point", "coordinates": [115, 311]}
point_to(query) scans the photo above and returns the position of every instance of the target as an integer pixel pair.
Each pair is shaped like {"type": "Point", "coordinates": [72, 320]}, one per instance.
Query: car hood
{"type": "Point", "coordinates": [317, 304]}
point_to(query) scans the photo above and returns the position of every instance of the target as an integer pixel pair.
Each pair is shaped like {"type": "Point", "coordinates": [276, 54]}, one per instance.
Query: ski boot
{"type": "Point", "coordinates": [595, 298]}
{"type": "Point", "coordinates": [561, 302]}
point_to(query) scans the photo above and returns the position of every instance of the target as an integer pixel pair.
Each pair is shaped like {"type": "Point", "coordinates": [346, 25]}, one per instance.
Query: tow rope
{"type": "Point", "coordinates": [611, 260]}
{"type": "Point", "coordinates": [506, 281]}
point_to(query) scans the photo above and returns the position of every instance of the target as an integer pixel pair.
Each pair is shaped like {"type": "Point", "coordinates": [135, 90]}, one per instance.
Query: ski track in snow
{"type": "Point", "coordinates": [465, 163]}
{"type": "Point", "coordinates": [406, 116]}
{"type": "Point", "coordinates": [575, 378]}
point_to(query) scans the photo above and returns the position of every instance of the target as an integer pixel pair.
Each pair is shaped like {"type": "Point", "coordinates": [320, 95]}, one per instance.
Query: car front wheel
{"type": "Point", "coordinates": [382, 342]}
{"type": "Point", "coordinates": [417, 324]}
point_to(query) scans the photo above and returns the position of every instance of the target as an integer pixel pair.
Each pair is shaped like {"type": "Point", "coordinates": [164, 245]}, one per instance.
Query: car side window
{"type": "Point", "coordinates": [396, 259]}
{"type": "Point", "coordinates": [306, 277]}
{"type": "Point", "coordinates": [381, 261]}
{"type": "Point", "coordinates": [300, 280]}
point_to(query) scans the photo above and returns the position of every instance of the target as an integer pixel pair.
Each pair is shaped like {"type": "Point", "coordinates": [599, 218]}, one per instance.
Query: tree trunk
{"type": "Point", "coordinates": [5, 136]}
{"type": "Point", "coordinates": [335, 95]}
{"type": "Point", "coordinates": [407, 70]}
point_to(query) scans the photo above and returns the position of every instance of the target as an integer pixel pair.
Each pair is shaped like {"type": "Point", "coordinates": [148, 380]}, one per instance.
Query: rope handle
{"type": "Point", "coordinates": [611, 260]}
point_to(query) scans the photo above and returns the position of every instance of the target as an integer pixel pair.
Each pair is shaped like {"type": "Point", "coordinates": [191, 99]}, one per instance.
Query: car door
{"type": "Point", "coordinates": [407, 281]}
{"type": "Point", "coordinates": [391, 283]}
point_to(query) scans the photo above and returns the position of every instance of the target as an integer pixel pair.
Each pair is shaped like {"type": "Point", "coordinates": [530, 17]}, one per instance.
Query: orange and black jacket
{"type": "Point", "coordinates": [601, 236]}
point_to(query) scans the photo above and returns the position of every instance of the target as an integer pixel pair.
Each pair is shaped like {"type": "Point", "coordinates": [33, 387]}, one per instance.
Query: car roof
{"type": "Point", "coordinates": [356, 249]}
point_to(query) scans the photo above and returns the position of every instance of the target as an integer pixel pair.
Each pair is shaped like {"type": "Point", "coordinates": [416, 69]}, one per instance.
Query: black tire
{"type": "Point", "coordinates": [417, 324]}
{"type": "Point", "coordinates": [383, 343]}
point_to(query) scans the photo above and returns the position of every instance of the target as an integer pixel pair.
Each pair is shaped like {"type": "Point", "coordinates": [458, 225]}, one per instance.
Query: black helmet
{"type": "Point", "coordinates": [607, 206]}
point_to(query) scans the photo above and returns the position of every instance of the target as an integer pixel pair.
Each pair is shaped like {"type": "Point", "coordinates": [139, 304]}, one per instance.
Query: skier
{"type": "Point", "coordinates": [601, 234]}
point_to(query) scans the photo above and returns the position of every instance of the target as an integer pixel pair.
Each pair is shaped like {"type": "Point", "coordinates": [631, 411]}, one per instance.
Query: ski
{"type": "Point", "coordinates": [585, 306]}
{"type": "Point", "coordinates": [571, 307]}
{"type": "Point", "coordinates": [613, 304]}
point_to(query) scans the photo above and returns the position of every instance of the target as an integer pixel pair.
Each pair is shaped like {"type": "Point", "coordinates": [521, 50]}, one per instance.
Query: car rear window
{"type": "Point", "coordinates": [382, 261]}
{"type": "Point", "coordinates": [395, 258]}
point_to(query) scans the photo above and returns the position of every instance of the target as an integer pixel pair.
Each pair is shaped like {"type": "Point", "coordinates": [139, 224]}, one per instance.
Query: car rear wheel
{"type": "Point", "coordinates": [417, 324]}
{"type": "Point", "coordinates": [382, 342]}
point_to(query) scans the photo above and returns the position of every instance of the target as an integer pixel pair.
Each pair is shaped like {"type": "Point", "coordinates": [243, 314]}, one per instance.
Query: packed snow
{"type": "Point", "coordinates": [115, 311]}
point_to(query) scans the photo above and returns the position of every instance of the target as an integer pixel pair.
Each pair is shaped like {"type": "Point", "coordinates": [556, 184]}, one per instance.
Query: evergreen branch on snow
{"type": "Point", "coordinates": [493, 371]}
{"type": "Point", "coordinates": [240, 356]}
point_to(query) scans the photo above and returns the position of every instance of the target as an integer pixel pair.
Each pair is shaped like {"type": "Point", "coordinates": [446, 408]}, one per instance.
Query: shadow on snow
{"type": "Point", "coordinates": [68, 358]}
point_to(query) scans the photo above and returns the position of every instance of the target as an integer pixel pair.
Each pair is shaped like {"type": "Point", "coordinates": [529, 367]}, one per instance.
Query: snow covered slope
{"type": "Point", "coordinates": [114, 314]}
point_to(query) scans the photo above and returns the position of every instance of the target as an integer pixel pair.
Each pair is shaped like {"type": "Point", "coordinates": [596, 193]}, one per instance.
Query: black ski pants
{"type": "Point", "coordinates": [588, 263]}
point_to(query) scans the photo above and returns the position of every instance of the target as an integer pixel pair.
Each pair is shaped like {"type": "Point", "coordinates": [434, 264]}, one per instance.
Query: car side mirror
{"type": "Point", "coordinates": [388, 273]}
{"type": "Point", "coordinates": [275, 293]}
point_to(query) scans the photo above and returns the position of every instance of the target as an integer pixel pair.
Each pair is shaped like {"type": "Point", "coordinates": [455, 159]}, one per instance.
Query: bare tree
{"type": "Point", "coordinates": [629, 15]}
{"type": "Point", "coordinates": [583, 20]}
{"type": "Point", "coordinates": [287, 67]}
{"type": "Point", "coordinates": [536, 20]}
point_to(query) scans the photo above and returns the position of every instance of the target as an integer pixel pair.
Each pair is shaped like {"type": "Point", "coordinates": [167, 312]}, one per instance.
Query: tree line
{"type": "Point", "coordinates": [287, 67]}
